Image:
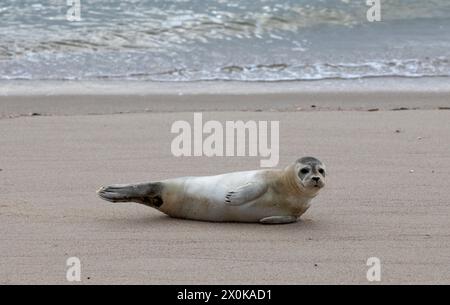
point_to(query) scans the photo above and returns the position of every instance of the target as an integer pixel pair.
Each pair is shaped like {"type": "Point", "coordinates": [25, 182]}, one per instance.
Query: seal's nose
{"type": "Point", "coordinates": [315, 179]}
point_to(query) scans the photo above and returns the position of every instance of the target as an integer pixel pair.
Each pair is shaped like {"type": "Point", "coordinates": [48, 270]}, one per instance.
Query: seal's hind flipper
{"type": "Point", "coordinates": [144, 193]}
{"type": "Point", "coordinates": [278, 220]}
{"type": "Point", "coordinates": [115, 193]}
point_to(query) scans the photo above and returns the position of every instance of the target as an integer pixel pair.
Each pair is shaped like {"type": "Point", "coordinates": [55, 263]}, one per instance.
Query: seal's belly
{"type": "Point", "coordinates": [196, 208]}
{"type": "Point", "coordinates": [203, 198]}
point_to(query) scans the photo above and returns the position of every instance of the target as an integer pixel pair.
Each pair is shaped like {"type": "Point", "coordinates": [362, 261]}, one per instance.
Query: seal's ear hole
{"type": "Point", "coordinates": [304, 170]}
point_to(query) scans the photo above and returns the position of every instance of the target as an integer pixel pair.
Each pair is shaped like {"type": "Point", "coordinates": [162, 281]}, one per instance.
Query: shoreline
{"type": "Point", "coordinates": [83, 98]}
{"type": "Point", "coordinates": [131, 87]}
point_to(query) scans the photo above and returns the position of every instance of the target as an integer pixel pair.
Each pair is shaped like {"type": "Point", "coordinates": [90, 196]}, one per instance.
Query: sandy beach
{"type": "Point", "coordinates": [387, 194]}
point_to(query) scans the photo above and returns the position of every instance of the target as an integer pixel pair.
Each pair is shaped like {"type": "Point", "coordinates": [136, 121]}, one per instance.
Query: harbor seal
{"type": "Point", "coordinates": [264, 196]}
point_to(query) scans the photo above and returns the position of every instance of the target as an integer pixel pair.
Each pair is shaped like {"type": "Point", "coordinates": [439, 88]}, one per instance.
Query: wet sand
{"type": "Point", "coordinates": [387, 194]}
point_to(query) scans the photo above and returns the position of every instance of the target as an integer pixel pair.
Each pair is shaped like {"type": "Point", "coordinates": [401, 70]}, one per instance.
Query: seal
{"type": "Point", "coordinates": [264, 196]}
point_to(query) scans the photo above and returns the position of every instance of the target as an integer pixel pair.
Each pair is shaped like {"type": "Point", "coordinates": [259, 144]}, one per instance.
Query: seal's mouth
{"type": "Point", "coordinates": [318, 185]}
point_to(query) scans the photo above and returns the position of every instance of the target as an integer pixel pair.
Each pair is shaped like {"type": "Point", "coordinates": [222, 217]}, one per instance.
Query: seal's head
{"type": "Point", "coordinates": [310, 174]}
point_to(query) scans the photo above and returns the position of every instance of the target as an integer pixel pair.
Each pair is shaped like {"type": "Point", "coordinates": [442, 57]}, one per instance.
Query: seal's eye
{"type": "Point", "coordinates": [304, 170]}
{"type": "Point", "coordinates": [321, 171]}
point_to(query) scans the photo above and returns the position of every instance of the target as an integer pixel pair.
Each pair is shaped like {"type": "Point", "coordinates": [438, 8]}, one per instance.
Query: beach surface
{"type": "Point", "coordinates": [387, 194]}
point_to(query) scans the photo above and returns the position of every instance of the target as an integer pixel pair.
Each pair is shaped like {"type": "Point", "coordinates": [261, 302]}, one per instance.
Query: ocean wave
{"type": "Point", "coordinates": [116, 25]}
{"type": "Point", "coordinates": [255, 40]}
{"type": "Point", "coordinates": [252, 73]}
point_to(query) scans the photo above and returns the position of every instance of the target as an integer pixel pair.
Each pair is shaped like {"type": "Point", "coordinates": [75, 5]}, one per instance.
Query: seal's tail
{"type": "Point", "coordinates": [144, 193]}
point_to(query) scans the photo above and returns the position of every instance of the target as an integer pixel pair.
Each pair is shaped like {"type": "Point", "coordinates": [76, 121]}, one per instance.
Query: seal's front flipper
{"type": "Point", "coordinates": [245, 193]}
{"type": "Point", "coordinates": [144, 193]}
{"type": "Point", "coordinates": [278, 220]}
